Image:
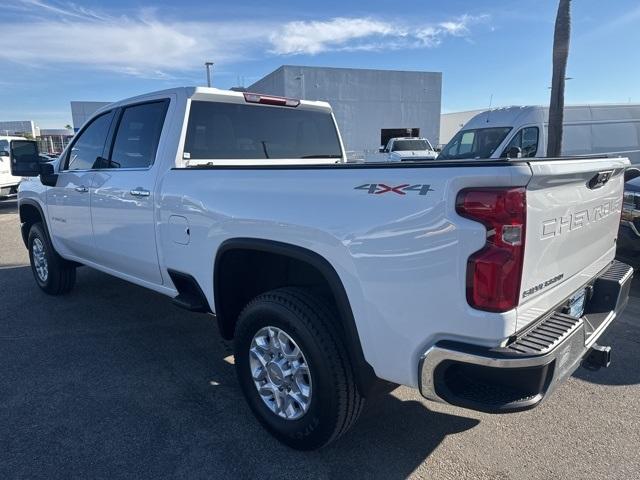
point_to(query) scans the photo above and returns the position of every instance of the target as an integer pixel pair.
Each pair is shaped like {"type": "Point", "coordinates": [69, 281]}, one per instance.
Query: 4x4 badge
{"type": "Point", "coordinates": [380, 188]}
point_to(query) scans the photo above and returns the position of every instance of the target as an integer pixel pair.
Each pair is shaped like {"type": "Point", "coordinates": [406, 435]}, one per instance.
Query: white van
{"type": "Point", "coordinates": [8, 183]}
{"type": "Point", "coordinates": [522, 131]}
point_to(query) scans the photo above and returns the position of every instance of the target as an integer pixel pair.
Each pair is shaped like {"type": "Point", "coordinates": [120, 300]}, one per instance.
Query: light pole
{"type": "Point", "coordinates": [208, 66]}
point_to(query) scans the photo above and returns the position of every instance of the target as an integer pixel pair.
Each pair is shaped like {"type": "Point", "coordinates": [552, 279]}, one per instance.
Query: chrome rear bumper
{"type": "Point", "coordinates": [519, 375]}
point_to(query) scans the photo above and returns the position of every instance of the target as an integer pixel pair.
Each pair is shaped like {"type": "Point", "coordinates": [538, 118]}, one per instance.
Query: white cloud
{"type": "Point", "coordinates": [365, 34]}
{"type": "Point", "coordinates": [132, 45]}
{"type": "Point", "coordinates": [319, 36]}
{"type": "Point", "coordinates": [48, 33]}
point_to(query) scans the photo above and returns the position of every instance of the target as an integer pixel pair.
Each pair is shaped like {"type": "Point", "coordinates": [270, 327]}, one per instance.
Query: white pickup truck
{"type": "Point", "coordinates": [482, 283]}
{"type": "Point", "coordinates": [8, 183]}
{"type": "Point", "coordinates": [411, 149]}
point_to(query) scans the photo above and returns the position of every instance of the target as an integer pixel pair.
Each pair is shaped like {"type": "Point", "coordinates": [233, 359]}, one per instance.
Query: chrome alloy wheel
{"type": "Point", "coordinates": [280, 373]}
{"type": "Point", "coordinates": [40, 259]}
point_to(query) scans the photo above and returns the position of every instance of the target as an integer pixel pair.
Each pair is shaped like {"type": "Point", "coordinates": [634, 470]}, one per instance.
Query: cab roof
{"type": "Point", "coordinates": [210, 94]}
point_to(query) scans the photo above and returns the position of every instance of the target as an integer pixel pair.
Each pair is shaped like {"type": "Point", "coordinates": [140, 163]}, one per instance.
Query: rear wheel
{"type": "Point", "coordinates": [53, 274]}
{"type": "Point", "coordinates": [294, 370]}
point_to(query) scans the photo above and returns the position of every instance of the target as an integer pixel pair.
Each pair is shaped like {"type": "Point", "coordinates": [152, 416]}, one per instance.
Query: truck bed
{"type": "Point", "coordinates": [391, 232]}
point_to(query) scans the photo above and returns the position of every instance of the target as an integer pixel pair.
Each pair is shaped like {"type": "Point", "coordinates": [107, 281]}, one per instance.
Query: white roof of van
{"type": "Point", "coordinates": [520, 115]}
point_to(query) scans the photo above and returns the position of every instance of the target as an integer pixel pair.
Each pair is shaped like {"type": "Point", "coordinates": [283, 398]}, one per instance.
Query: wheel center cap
{"type": "Point", "coordinates": [275, 373]}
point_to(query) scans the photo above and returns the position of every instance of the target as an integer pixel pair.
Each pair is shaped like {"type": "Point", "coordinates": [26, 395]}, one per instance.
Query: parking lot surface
{"type": "Point", "coordinates": [113, 381]}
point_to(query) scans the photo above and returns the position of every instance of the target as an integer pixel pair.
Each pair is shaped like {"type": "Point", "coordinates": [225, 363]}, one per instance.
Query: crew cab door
{"type": "Point", "coordinates": [69, 201]}
{"type": "Point", "coordinates": [123, 197]}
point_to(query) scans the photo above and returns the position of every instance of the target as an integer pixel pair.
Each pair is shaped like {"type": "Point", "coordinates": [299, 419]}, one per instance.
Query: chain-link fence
{"type": "Point", "coordinates": [54, 144]}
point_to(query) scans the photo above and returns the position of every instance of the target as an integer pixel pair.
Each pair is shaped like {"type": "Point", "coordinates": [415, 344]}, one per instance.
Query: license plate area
{"type": "Point", "coordinates": [575, 304]}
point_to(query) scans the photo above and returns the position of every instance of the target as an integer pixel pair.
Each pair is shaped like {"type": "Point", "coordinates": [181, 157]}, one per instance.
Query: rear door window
{"type": "Point", "coordinates": [136, 140]}
{"type": "Point", "coordinates": [250, 132]}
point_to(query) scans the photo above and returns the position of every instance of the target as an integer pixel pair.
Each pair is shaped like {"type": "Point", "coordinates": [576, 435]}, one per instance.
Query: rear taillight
{"type": "Point", "coordinates": [495, 271]}
{"type": "Point", "coordinates": [271, 100]}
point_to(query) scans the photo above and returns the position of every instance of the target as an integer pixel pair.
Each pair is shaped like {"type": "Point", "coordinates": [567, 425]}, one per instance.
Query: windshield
{"type": "Point", "coordinates": [250, 132]}
{"type": "Point", "coordinates": [407, 145]}
{"type": "Point", "coordinates": [4, 146]}
{"type": "Point", "coordinates": [477, 143]}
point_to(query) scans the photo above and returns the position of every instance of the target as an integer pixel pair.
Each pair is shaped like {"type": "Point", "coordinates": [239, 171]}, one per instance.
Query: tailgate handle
{"type": "Point", "coordinates": [600, 179]}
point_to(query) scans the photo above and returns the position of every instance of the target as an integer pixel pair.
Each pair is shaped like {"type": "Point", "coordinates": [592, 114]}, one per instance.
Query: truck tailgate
{"type": "Point", "coordinates": [573, 212]}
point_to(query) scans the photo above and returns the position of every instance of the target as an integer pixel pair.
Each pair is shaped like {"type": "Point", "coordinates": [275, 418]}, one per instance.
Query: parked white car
{"type": "Point", "coordinates": [402, 149]}
{"type": "Point", "coordinates": [522, 131]}
{"type": "Point", "coordinates": [483, 284]}
{"type": "Point", "coordinates": [8, 183]}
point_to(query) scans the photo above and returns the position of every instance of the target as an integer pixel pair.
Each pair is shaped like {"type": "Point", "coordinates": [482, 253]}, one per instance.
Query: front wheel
{"type": "Point", "coordinates": [53, 274]}
{"type": "Point", "coordinates": [294, 370]}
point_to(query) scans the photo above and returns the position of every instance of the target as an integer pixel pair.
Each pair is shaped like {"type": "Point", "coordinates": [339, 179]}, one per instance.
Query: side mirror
{"type": "Point", "coordinates": [514, 152]}
{"type": "Point", "coordinates": [4, 153]}
{"type": "Point", "coordinates": [382, 149]}
{"type": "Point", "coordinates": [24, 158]}
{"type": "Point", "coordinates": [437, 149]}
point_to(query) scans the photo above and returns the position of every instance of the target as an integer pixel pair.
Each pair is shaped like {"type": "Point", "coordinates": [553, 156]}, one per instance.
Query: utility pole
{"type": "Point", "coordinates": [208, 66]}
{"type": "Point", "coordinates": [561, 36]}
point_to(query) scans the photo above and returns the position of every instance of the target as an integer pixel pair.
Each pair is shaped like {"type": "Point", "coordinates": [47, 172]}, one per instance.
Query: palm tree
{"type": "Point", "coordinates": [561, 36]}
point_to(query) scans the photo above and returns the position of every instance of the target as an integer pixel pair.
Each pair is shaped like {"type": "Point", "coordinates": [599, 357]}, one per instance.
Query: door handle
{"type": "Point", "coordinates": [82, 189]}
{"type": "Point", "coordinates": [140, 192]}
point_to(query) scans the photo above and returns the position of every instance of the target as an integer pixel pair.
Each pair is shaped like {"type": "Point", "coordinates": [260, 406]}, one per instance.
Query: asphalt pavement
{"type": "Point", "coordinates": [113, 381]}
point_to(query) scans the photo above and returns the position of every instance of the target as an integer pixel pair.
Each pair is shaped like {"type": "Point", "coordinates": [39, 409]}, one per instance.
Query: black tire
{"type": "Point", "coordinates": [61, 274]}
{"type": "Point", "coordinates": [335, 401]}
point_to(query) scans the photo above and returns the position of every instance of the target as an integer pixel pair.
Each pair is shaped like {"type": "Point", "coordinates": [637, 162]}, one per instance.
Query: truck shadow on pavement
{"type": "Point", "coordinates": [8, 205]}
{"type": "Point", "coordinates": [624, 337]}
{"type": "Point", "coordinates": [114, 381]}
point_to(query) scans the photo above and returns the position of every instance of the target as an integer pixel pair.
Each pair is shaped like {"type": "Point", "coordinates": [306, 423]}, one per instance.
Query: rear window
{"type": "Point", "coordinates": [250, 132]}
{"type": "Point", "coordinates": [408, 145]}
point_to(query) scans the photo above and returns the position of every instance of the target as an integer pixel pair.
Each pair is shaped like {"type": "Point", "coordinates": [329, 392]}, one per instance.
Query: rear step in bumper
{"type": "Point", "coordinates": [518, 376]}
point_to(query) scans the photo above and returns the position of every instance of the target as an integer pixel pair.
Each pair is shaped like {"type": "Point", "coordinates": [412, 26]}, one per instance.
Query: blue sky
{"type": "Point", "coordinates": [52, 51]}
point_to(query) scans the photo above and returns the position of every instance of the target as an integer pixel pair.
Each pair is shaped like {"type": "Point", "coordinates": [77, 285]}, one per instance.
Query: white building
{"type": "Point", "coordinates": [370, 106]}
{"type": "Point", "coordinates": [82, 111]}
{"type": "Point", "coordinates": [451, 123]}
{"type": "Point", "coordinates": [19, 128]}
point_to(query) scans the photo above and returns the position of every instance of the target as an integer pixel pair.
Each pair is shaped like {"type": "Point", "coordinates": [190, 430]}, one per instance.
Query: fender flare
{"type": "Point", "coordinates": [365, 375]}
{"type": "Point", "coordinates": [23, 230]}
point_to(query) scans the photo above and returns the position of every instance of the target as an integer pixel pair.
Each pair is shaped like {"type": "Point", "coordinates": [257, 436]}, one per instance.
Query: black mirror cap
{"type": "Point", "coordinates": [631, 173]}
{"type": "Point", "coordinates": [48, 175]}
{"type": "Point", "coordinates": [24, 158]}
{"type": "Point", "coordinates": [47, 169]}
